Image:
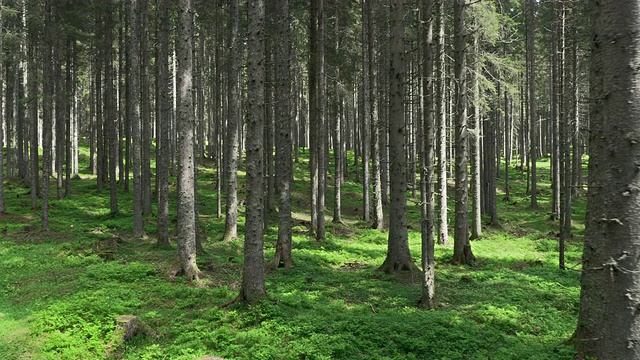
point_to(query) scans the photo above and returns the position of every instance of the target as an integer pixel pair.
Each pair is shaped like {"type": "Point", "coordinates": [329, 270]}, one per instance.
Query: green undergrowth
{"type": "Point", "coordinates": [61, 291]}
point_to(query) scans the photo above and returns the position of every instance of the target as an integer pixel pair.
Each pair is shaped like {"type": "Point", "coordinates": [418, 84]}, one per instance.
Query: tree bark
{"type": "Point", "coordinates": [253, 282]}
{"type": "Point", "coordinates": [284, 165]}
{"type": "Point", "coordinates": [134, 100]}
{"type": "Point", "coordinates": [398, 255]}
{"type": "Point", "coordinates": [462, 253]}
{"type": "Point", "coordinates": [533, 120]}
{"type": "Point", "coordinates": [164, 118]}
{"type": "Point", "coordinates": [232, 150]}
{"type": "Point", "coordinates": [441, 132]}
{"type": "Point", "coordinates": [427, 164]}
{"type": "Point", "coordinates": [609, 321]}
{"type": "Point", "coordinates": [185, 123]}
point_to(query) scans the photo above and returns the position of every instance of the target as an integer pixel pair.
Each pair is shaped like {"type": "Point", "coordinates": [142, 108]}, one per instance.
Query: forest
{"type": "Point", "coordinates": [323, 179]}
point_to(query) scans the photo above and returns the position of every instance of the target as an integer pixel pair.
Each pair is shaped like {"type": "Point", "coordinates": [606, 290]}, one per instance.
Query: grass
{"type": "Point", "coordinates": [60, 291]}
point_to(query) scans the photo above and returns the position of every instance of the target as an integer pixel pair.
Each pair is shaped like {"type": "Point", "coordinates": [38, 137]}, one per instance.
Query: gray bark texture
{"type": "Point", "coordinates": [253, 286]}
{"type": "Point", "coordinates": [186, 123]}
{"type": "Point", "coordinates": [462, 247]}
{"type": "Point", "coordinates": [2, 206]}
{"type": "Point", "coordinates": [164, 119]}
{"type": "Point", "coordinates": [284, 165]}
{"type": "Point", "coordinates": [531, 83]}
{"type": "Point", "coordinates": [427, 162]}
{"type": "Point", "coordinates": [609, 320]}
{"type": "Point", "coordinates": [441, 131]}
{"type": "Point", "coordinates": [232, 149]}
{"type": "Point", "coordinates": [134, 103]}
{"type": "Point", "coordinates": [398, 255]}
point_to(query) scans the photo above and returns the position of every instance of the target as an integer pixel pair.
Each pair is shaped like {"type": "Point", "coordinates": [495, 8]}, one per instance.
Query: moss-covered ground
{"type": "Point", "coordinates": [61, 291]}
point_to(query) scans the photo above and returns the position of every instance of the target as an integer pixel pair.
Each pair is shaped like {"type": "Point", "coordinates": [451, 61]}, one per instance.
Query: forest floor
{"type": "Point", "coordinates": [61, 291]}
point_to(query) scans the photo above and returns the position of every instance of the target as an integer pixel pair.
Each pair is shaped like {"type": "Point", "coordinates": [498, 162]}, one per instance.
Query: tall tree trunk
{"type": "Point", "coordinates": [313, 110]}
{"type": "Point", "coordinates": [111, 119]}
{"type": "Point", "coordinates": [2, 206]}
{"type": "Point", "coordinates": [476, 213]}
{"type": "Point", "coordinates": [145, 109]}
{"type": "Point", "coordinates": [321, 123]}
{"type": "Point", "coordinates": [134, 100]}
{"type": "Point", "coordinates": [33, 116]}
{"type": "Point", "coordinates": [533, 120]}
{"type": "Point", "coordinates": [232, 151]}
{"type": "Point", "coordinates": [609, 322]}
{"type": "Point", "coordinates": [186, 123]}
{"type": "Point", "coordinates": [366, 113]}
{"type": "Point", "coordinates": [284, 165]}
{"type": "Point", "coordinates": [398, 255]}
{"type": "Point", "coordinates": [338, 136]}
{"type": "Point", "coordinates": [374, 121]}
{"type": "Point", "coordinates": [164, 118]}
{"type": "Point", "coordinates": [462, 248]}
{"type": "Point", "coordinates": [47, 109]}
{"type": "Point", "coordinates": [428, 156]}
{"type": "Point", "coordinates": [253, 282]}
{"type": "Point", "coordinates": [441, 132]}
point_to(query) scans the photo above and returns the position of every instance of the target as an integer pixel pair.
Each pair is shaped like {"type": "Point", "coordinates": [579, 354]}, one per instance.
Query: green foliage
{"type": "Point", "coordinates": [59, 297]}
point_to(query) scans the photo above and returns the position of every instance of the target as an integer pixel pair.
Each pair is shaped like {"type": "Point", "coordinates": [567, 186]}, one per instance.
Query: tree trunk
{"type": "Point", "coordinates": [609, 321]}
{"type": "Point", "coordinates": [145, 109]}
{"type": "Point", "coordinates": [47, 109]}
{"type": "Point", "coordinates": [253, 282]}
{"type": "Point", "coordinates": [186, 153]}
{"type": "Point", "coordinates": [476, 213]}
{"type": "Point", "coordinates": [232, 150]}
{"type": "Point", "coordinates": [284, 165]}
{"type": "Point", "coordinates": [2, 206]}
{"type": "Point", "coordinates": [321, 124]}
{"type": "Point", "coordinates": [398, 255]}
{"type": "Point", "coordinates": [134, 100]}
{"type": "Point", "coordinates": [441, 132]}
{"type": "Point", "coordinates": [164, 118]}
{"type": "Point", "coordinates": [111, 120]}
{"type": "Point", "coordinates": [374, 122]}
{"type": "Point", "coordinates": [428, 154]}
{"type": "Point", "coordinates": [533, 120]}
{"type": "Point", "coordinates": [462, 253]}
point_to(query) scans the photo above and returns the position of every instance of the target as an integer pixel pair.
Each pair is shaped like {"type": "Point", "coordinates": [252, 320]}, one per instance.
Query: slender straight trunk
{"type": "Point", "coordinates": [555, 118]}
{"type": "Point", "coordinates": [374, 121]}
{"type": "Point", "coordinates": [609, 322]}
{"type": "Point", "coordinates": [69, 111]}
{"type": "Point", "coordinates": [186, 123]}
{"type": "Point", "coordinates": [47, 109]}
{"type": "Point", "coordinates": [253, 282]}
{"type": "Point", "coordinates": [232, 150]}
{"type": "Point", "coordinates": [365, 117]}
{"type": "Point", "coordinates": [565, 136]}
{"type": "Point", "coordinates": [508, 120]}
{"type": "Point", "coordinates": [134, 100]}
{"type": "Point", "coordinates": [533, 120]}
{"type": "Point", "coordinates": [313, 110]}
{"type": "Point", "coordinates": [284, 165]}
{"type": "Point", "coordinates": [398, 255]}
{"type": "Point", "coordinates": [428, 155]}
{"type": "Point", "coordinates": [476, 213]}
{"type": "Point", "coordinates": [33, 116]}
{"type": "Point", "coordinates": [21, 120]}
{"type": "Point", "coordinates": [163, 119]}
{"type": "Point", "coordinates": [58, 127]}
{"type": "Point", "coordinates": [321, 129]}
{"type": "Point", "coordinates": [441, 132]}
{"type": "Point", "coordinates": [338, 135]}
{"type": "Point", "coordinates": [145, 109]}
{"type": "Point", "coordinates": [462, 247]}
{"type": "Point", "coordinates": [2, 206]}
{"type": "Point", "coordinates": [111, 119]}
